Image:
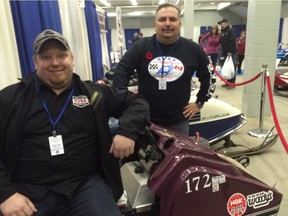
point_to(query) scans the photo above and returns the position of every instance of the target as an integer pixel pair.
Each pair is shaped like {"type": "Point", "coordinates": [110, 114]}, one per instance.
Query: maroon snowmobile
{"type": "Point", "coordinates": [176, 175]}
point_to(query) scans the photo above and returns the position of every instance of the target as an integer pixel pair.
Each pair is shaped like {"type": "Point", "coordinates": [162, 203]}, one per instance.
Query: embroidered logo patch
{"type": "Point", "coordinates": [80, 101]}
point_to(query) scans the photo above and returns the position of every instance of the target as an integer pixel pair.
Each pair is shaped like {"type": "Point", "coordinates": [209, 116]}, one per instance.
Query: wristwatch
{"type": "Point", "coordinates": [199, 105]}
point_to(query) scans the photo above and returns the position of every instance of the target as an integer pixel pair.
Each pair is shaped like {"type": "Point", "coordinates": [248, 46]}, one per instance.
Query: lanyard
{"type": "Point", "coordinates": [54, 123]}
{"type": "Point", "coordinates": [161, 53]}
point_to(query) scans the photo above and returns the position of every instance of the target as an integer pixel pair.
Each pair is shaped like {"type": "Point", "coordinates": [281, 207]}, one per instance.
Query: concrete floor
{"type": "Point", "coordinates": [270, 166]}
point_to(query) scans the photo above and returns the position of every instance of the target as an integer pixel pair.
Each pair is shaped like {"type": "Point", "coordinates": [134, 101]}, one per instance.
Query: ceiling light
{"type": "Point", "coordinates": [134, 2]}
{"type": "Point", "coordinates": [107, 4]}
{"type": "Point", "coordinates": [223, 5]}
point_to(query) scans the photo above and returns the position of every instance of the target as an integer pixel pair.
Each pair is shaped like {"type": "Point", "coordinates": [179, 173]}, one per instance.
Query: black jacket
{"type": "Point", "coordinates": [228, 41]}
{"type": "Point", "coordinates": [15, 100]}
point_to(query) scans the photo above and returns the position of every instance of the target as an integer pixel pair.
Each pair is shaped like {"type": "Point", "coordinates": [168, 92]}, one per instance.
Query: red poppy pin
{"type": "Point", "coordinates": [149, 55]}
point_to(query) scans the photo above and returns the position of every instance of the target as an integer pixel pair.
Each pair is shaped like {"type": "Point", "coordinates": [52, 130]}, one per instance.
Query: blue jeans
{"type": "Point", "coordinates": [182, 127]}
{"type": "Point", "coordinates": [92, 198]}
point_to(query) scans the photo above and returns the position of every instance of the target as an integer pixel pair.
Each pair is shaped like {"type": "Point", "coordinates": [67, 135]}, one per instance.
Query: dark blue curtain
{"type": "Point", "coordinates": [129, 36]}
{"type": "Point", "coordinates": [238, 29]}
{"type": "Point", "coordinates": [93, 30]}
{"type": "Point", "coordinates": [30, 18]}
{"type": "Point", "coordinates": [108, 36]}
{"type": "Point", "coordinates": [204, 29]}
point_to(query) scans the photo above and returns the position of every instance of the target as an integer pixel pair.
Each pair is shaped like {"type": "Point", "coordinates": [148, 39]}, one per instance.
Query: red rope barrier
{"type": "Point", "coordinates": [272, 106]}
{"type": "Point", "coordinates": [237, 84]}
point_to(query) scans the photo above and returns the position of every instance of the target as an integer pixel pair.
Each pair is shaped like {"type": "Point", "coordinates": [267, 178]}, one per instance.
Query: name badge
{"type": "Point", "coordinates": [162, 84]}
{"type": "Point", "coordinates": [56, 145]}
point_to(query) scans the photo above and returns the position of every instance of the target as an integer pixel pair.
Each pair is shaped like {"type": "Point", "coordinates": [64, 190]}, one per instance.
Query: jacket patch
{"type": "Point", "coordinates": [80, 101]}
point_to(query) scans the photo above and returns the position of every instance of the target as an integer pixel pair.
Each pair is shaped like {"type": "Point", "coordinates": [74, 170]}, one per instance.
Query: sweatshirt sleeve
{"type": "Point", "coordinates": [127, 65]}
{"type": "Point", "coordinates": [202, 40]}
{"type": "Point", "coordinates": [204, 74]}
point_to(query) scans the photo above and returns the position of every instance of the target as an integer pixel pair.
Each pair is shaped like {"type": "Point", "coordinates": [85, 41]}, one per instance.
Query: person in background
{"type": "Point", "coordinates": [165, 64]}
{"type": "Point", "coordinates": [135, 39]}
{"type": "Point", "coordinates": [57, 156]}
{"type": "Point", "coordinates": [240, 45]}
{"type": "Point", "coordinates": [210, 42]}
{"type": "Point", "coordinates": [201, 35]}
{"type": "Point", "coordinates": [140, 35]}
{"type": "Point", "coordinates": [228, 47]}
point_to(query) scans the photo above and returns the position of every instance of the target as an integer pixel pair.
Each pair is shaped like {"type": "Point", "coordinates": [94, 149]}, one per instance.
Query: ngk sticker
{"type": "Point", "coordinates": [237, 204]}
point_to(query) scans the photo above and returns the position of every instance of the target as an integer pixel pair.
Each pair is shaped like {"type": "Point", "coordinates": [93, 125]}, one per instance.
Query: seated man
{"type": "Point", "coordinates": [57, 155]}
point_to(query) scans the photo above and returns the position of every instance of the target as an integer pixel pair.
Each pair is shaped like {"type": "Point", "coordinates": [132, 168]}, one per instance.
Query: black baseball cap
{"type": "Point", "coordinates": [223, 20]}
{"type": "Point", "coordinates": [46, 35]}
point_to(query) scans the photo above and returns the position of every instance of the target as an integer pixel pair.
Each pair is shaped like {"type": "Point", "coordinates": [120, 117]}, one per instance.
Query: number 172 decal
{"type": "Point", "coordinates": [205, 181]}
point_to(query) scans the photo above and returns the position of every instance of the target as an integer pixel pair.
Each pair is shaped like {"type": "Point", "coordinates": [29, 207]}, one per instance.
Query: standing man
{"type": "Point", "coordinates": [228, 47]}
{"type": "Point", "coordinates": [165, 64]}
{"type": "Point", "coordinates": [57, 155]}
{"type": "Point", "coordinates": [135, 39]}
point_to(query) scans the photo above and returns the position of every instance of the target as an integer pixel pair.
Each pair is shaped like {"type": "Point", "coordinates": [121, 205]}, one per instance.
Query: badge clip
{"type": "Point", "coordinates": [54, 134]}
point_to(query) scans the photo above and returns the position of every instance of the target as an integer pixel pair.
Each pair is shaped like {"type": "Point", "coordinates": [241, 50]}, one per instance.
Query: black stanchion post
{"type": "Point", "coordinates": [261, 133]}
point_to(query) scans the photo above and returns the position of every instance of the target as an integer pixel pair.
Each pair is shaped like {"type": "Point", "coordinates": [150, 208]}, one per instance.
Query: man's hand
{"type": "Point", "coordinates": [122, 146]}
{"type": "Point", "coordinates": [190, 110]}
{"type": "Point", "coordinates": [17, 205]}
